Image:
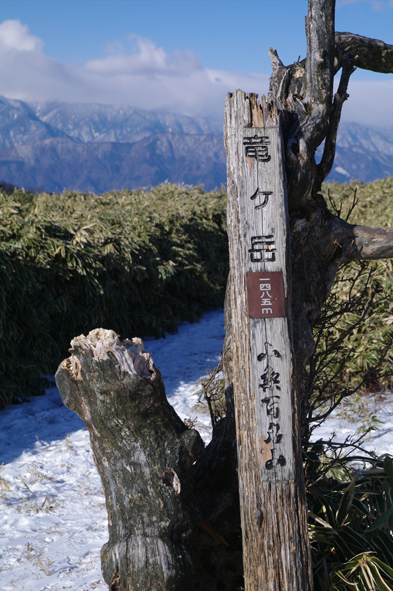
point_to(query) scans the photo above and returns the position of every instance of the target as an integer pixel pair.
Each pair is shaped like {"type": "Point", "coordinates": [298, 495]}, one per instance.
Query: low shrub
{"type": "Point", "coordinates": [353, 332]}
{"type": "Point", "coordinates": [350, 518]}
{"type": "Point", "coordinates": [349, 490]}
{"type": "Point", "coordinates": [138, 262]}
{"type": "Point", "coordinates": [364, 290]}
{"type": "Point", "coordinates": [141, 261]}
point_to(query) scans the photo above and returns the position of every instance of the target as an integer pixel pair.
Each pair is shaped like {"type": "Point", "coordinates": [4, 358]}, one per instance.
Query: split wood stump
{"type": "Point", "coordinates": [174, 522]}
{"type": "Point", "coordinates": [142, 450]}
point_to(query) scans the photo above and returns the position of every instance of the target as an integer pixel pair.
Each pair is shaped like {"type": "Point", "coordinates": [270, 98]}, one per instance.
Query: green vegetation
{"type": "Point", "coordinates": [141, 261]}
{"type": "Point", "coordinates": [137, 262]}
{"type": "Point", "coordinates": [349, 491]}
{"type": "Point", "coordinates": [350, 519]}
{"type": "Point", "coordinates": [354, 330]}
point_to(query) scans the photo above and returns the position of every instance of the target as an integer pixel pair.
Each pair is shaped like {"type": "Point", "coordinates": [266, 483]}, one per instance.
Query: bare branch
{"type": "Point", "coordinates": [368, 244]}
{"type": "Point", "coordinates": [370, 54]}
{"type": "Point", "coordinates": [325, 166]}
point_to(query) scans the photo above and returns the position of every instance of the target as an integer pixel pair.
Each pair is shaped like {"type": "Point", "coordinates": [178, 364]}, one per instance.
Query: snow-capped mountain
{"type": "Point", "coordinates": [362, 153]}
{"type": "Point", "coordinates": [98, 148]}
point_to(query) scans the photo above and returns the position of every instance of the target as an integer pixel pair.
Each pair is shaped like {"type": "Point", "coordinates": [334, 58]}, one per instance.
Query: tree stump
{"type": "Point", "coordinates": [174, 522]}
{"type": "Point", "coordinates": [143, 453]}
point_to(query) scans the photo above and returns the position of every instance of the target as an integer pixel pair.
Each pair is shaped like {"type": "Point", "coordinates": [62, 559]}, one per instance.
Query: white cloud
{"type": "Point", "coordinates": [149, 78]}
{"type": "Point", "coordinates": [370, 102]}
{"type": "Point", "coordinates": [145, 59]}
{"type": "Point", "coordinates": [15, 38]}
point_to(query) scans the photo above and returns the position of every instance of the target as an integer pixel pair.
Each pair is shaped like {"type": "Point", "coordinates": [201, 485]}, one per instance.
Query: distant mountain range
{"type": "Point", "coordinates": [92, 147]}
{"type": "Point", "coordinates": [362, 153]}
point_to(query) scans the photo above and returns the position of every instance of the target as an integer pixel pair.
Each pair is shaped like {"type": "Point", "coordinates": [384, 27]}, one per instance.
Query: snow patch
{"type": "Point", "coordinates": [53, 520]}
{"type": "Point", "coordinates": [342, 171]}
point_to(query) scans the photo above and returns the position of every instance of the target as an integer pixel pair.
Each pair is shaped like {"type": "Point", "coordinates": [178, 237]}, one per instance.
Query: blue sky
{"type": "Point", "coordinates": [178, 55]}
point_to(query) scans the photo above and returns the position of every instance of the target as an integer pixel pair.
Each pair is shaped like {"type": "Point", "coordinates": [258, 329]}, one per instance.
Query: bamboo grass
{"type": "Point", "coordinates": [138, 262]}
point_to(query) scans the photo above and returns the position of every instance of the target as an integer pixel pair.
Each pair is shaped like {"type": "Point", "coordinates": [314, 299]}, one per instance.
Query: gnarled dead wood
{"type": "Point", "coordinates": [368, 244]}
{"type": "Point", "coordinates": [326, 164]}
{"type": "Point", "coordinates": [173, 523]}
{"type": "Point", "coordinates": [370, 54]}
{"type": "Point", "coordinates": [143, 453]}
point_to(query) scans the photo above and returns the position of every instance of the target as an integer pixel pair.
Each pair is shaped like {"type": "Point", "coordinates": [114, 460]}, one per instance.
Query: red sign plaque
{"type": "Point", "coordinates": [265, 293]}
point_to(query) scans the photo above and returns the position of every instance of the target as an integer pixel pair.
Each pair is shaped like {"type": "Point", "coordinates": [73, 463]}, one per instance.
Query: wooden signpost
{"type": "Point", "coordinates": [270, 483]}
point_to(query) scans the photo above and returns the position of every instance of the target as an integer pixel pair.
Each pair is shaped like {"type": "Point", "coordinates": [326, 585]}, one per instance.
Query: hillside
{"type": "Point", "coordinates": [363, 153]}
{"type": "Point", "coordinates": [25, 123]}
{"type": "Point", "coordinates": [60, 162]}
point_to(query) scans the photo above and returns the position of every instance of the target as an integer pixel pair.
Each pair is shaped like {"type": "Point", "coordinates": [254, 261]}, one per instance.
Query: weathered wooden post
{"type": "Point", "coordinates": [272, 499]}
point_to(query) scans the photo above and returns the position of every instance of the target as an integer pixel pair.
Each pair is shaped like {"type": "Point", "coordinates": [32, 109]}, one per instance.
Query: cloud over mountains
{"type": "Point", "coordinates": [143, 75]}
{"type": "Point", "coordinates": [140, 74]}
{"type": "Point", "coordinates": [145, 59]}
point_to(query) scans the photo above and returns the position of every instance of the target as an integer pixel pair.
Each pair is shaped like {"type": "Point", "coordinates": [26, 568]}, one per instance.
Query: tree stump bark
{"type": "Point", "coordinates": [174, 522]}
{"type": "Point", "coordinates": [143, 453]}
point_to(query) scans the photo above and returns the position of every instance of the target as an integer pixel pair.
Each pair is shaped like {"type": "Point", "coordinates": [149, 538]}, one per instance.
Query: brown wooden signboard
{"type": "Point", "coordinates": [263, 225]}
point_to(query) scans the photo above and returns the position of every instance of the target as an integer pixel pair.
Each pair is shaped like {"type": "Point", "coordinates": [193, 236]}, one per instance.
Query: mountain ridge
{"type": "Point", "coordinates": [98, 148]}
{"type": "Point", "coordinates": [55, 164]}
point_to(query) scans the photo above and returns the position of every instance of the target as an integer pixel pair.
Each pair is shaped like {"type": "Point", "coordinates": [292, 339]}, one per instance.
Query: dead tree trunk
{"type": "Point", "coordinates": [175, 524]}
{"type": "Point", "coordinates": [172, 526]}
{"type": "Point", "coordinates": [142, 451]}
{"type": "Point", "coordinates": [320, 242]}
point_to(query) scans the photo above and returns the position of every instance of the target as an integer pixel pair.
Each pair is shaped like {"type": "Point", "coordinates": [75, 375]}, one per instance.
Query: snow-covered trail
{"type": "Point", "coordinates": [53, 520]}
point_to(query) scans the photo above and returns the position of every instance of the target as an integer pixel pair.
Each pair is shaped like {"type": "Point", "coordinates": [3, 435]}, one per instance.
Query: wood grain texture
{"type": "Point", "coordinates": [173, 506]}
{"type": "Point", "coordinates": [273, 510]}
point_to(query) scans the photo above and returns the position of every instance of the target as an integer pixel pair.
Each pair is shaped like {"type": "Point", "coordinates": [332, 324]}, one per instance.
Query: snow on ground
{"type": "Point", "coordinates": [355, 417]}
{"type": "Point", "coordinates": [53, 520]}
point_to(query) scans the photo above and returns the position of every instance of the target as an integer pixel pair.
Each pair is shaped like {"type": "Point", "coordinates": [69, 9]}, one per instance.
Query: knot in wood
{"type": "Point", "coordinates": [171, 480]}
